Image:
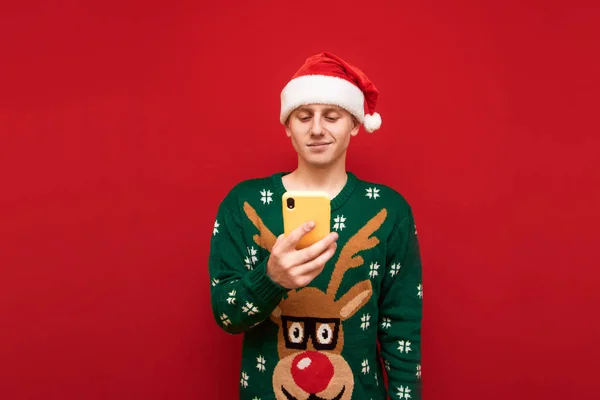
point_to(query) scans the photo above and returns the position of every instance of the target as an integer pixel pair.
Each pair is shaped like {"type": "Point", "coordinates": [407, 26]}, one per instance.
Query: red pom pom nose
{"type": "Point", "coordinates": [312, 371]}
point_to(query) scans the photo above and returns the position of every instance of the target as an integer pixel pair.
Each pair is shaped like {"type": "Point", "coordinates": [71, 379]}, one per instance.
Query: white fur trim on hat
{"type": "Point", "coordinates": [322, 89]}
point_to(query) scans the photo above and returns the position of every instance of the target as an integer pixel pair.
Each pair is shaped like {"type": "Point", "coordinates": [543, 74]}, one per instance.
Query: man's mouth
{"type": "Point", "coordinates": [320, 144]}
{"type": "Point", "coordinates": [314, 396]}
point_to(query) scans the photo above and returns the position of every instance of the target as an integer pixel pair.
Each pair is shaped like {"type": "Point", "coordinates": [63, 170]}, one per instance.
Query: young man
{"type": "Point", "coordinates": [322, 322]}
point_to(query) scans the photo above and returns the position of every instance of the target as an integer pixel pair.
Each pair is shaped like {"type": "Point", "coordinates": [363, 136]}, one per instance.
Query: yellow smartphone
{"type": "Point", "coordinates": [301, 206]}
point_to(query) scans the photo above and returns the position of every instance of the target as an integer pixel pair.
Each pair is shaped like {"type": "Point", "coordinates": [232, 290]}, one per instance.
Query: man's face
{"type": "Point", "coordinates": [321, 133]}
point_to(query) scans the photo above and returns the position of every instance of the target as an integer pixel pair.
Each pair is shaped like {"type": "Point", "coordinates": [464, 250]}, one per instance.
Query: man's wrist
{"type": "Point", "coordinates": [262, 286]}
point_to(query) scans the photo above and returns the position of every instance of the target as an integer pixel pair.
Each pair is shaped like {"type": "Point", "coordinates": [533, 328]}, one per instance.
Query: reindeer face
{"type": "Point", "coordinates": [310, 342]}
{"type": "Point", "coordinates": [311, 335]}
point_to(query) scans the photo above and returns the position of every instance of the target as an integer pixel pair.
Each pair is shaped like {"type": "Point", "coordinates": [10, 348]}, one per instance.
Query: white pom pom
{"type": "Point", "coordinates": [372, 122]}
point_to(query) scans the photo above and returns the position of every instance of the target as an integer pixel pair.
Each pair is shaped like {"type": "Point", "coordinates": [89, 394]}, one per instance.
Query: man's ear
{"type": "Point", "coordinates": [288, 132]}
{"type": "Point", "coordinates": [354, 130]}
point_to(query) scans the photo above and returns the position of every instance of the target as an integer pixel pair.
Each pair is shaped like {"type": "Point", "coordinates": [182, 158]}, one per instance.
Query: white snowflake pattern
{"type": "Point", "coordinates": [372, 193]}
{"type": "Point", "coordinates": [250, 308]}
{"type": "Point", "coordinates": [261, 363]}
{"type": "Point", "coordinates": [404, 346]}
{"type": "Point", "coordinates": [225, 320]}
{"type": "Point", "coordinates": [418, 374]}
{"type": "Point", "coordinates": [365, 366]}
{"type": "Point", "coordinates": [420, 290]}
{"type": "Point", "coordinates": [251, 259]}
{"type": "Point", "coordinates": [215, 282]}
{"type": "Point", "coordinates": [244, 380]}
{"type": "Point", "coordinates": [415, 229]}
{"type": "Point", "coordinates": [394, 269]}
{"type": "Point", "coordinates": [365, 321]}
{"type": "Point", "coordinates": [404, 392]}
{"type": "Point", "coordinates": [255, 398]}
{"type": "Point", "coordinates": [265, 196]}
{"type": "Point", "coordinates": [339, 222]}
{"type": "Point", "coordinates": [387, 364]}
{"type": "Point", "coordinates": [216, 227]}
{"type": "Point", "coordinates": [386, 323]}
{"type": "Point", "coordinates": [231, 298]}
{"type": "Point", "coordinates": [373, 270]}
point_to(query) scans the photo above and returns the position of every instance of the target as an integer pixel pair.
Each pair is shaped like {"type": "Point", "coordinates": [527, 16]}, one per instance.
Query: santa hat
{"type": "Point", "coordinates": [327, 79]}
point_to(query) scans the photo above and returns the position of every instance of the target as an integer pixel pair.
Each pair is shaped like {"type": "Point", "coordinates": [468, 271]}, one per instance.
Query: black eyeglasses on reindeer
{"type": "Point", "coordinates": [322, 331]}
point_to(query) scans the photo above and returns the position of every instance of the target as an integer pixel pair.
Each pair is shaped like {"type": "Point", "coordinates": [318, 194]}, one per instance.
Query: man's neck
{"type": "Point", "coordinates": [330, 179]}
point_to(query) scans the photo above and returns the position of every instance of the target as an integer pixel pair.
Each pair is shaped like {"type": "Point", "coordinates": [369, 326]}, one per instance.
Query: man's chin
{"type": "Point", "coordinates": [321, 160]}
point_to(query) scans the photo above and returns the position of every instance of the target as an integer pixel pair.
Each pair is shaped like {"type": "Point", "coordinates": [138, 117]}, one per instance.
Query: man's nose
{"type": "Point", "coordinates": [317, 128]}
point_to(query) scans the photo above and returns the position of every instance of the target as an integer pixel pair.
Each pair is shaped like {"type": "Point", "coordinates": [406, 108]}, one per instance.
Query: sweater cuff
{"type": "Point", "coordinates": [261, 287]}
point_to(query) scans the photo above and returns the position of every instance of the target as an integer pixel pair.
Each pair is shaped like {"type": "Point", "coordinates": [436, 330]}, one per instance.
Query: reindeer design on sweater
{"type": "Point", "coordinates": [311, 335]}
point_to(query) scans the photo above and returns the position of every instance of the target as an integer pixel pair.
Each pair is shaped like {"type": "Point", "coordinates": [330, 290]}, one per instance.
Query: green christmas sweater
{"type": "Point", "coordinates": [359, 319]}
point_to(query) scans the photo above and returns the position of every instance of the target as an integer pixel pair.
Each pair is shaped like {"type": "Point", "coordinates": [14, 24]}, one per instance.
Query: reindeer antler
{"type": "Point", "coordinates": [362, 240]}
{"type": "Point", "coordinates": [265, 237]}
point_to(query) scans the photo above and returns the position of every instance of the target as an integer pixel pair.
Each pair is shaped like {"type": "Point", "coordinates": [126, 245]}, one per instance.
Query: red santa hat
{"type": "Point", "coordinates": [327, 79]}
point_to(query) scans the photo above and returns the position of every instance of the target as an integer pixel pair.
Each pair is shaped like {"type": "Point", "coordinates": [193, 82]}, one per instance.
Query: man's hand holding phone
{"type": "Point", "coordinates": [292, 268]}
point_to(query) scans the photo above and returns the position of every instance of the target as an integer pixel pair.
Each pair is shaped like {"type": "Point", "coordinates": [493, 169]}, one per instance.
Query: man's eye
{"type": "Point", "coordinates": [304, 119]}
{"type": "Point", "coordinates": [332, 119]}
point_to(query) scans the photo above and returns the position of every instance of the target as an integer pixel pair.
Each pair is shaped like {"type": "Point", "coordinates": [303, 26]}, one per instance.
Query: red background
{"type": "Point", "coordinates": [123, 124]}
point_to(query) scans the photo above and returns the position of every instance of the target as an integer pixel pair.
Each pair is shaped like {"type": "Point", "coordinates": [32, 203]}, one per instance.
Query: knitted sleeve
{"type": "Point", "coordinates": [401, 310]}
{"type": "Point", "coordinates": [242, 294]}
